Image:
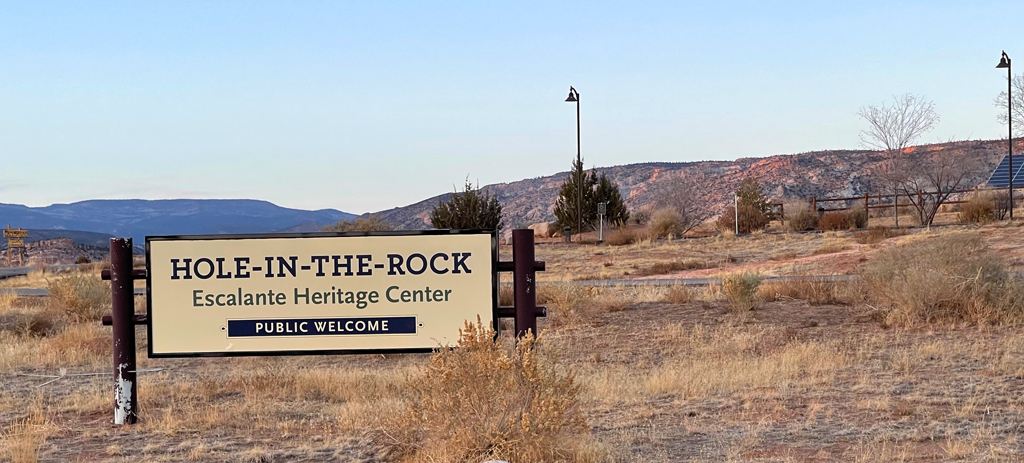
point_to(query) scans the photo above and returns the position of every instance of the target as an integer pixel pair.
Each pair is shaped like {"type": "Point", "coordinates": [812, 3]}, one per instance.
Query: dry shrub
{"type": "Point", "coordinates": [7, 301]}
{"type": "Point", "coordinates": [83, 298]}
{"type": "Point", "coordinates": [740, 290]}
{"type": "Point", "coordinates": [839, 220]}
{"type": "Point", "coordinates": [574, 305]}
{"type": "Point", "coordinates": [38, 323]}
{"type": "Point", "coordinates": [679, 294]}
{"type": "Point", "coordinates": [751, 219]}
{"type": "Point", "coordinates": [493, 400]}
{"type": "Point", "coordinates": [506, 295]}
{"type": "Point", "coordinates": [953, 278]}
{"type": "Point", "coordinates": [22, 439]}
{"type": "Point", "coordinates": [661, 268]}
{"type": "Point", "coordinates": [815, 291]}
{"type": "Point", "coordinates": [800, 217]}
{"type": "Point", "coordinates": [877, 234]}
{"type": "Point", "coordinates": [978, 209]}
{"type": "Point", "coordinates": [666, 222]}
{"type": "Point", "coordinates": [859, 216]}
{"type": "Point", "coordinates": [625, 235]}
{"type": "Point", "coordinates": [832, 246]}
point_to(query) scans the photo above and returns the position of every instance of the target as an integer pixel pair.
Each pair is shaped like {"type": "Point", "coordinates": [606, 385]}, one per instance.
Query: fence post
{"type": "Point", "coordinates": [524, 281]}
{"type": "Point", "coordinates": [122, 292]}
{"type": "Point", "coordinates": [867, 210]}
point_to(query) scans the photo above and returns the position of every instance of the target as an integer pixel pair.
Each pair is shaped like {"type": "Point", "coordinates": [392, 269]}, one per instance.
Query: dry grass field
{"type": "Point", "coordinates": [921, 359]}
{"type": "Point", "coordinates": [773, 253]}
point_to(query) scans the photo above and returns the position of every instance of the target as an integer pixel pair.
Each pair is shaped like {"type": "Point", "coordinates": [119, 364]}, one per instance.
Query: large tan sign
{"type": "Point", "coordinates": [316, 293]}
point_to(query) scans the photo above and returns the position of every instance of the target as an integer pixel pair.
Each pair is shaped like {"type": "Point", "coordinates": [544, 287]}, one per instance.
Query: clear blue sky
{"type": "Point", "coordinates": [364, 106]}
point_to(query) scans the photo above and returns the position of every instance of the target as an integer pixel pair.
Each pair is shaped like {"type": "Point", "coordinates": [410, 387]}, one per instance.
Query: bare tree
{"type": "Point", "coordinates": [933, 179]}
{"type": "Point", "coordinates": [687, 195]}
{"type": "Point", "coordinates": [894, 128]}
{"type": "Point", "coordinates": [1018, 105]}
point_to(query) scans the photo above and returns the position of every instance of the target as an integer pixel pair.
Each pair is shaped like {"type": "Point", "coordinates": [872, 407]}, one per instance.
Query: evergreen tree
{"type": "Point", "coordinates": [568, 195]}
{"type": "Point", "coordinates": [470, 209]}
{"type": "Point", "coordinates": [595, 189]}
{"type": "Point", "coordinates": [608, 192]}
{"type": "Point", "coordinates": [751, 193]}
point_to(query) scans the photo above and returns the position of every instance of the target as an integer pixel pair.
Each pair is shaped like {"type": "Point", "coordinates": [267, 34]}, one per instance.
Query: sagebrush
{"type": "Point", "coordinates": [953, 278]}
{"type": "Point", "coordinates": [493, 400]}
{"type": "Point", "coordinates": [740, 290]}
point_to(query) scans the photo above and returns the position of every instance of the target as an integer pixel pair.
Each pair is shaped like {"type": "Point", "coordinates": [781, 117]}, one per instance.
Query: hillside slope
{"type": "Point", "coordinates": [794, 176]}
{"type": "Point", "coordinates": [137, 218]}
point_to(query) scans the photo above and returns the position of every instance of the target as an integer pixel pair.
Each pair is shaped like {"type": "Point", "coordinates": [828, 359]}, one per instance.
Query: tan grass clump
{"type": "Point", "coordinates": [951, 278]}
{"type": "Point", "coordinates": [835, 221]}
{"type": "Point", "coordinates": [978, 209]}
{"type": "Point", "coordinates": [661, 268]}
{"type": "Point", "coordinates": [506, 295]}
{"type": "Point", "coordinates": [21, 441]}
{"type": "Point", "coordinates": [740, 290]}
{"type": "Point", "coordinates": [7, 301]}
{"type": "Point", "coordinates": [82, 297]}
{"type": "Point", "coordinates": [679, 294]}
{"type": "Point", "coordinates": [800, 217]}
{"type": "Point", "coordinates": [625, 235]}
{"type": "Point", "coordinates": [877, 234]}
{"type": "Point", "coordinates": [709, 361]}
{"type": "Point", "coordinates": [666, 222]}
{"type": "Point", "coordinates": [492, 400]}
{"type": "Point", "coordinates": [34, 323]}
{"type": "Point", "coordinates": [815, 291]}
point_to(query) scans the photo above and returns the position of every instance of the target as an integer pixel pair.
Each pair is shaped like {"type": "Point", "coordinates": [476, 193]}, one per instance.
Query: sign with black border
{"type": "Point", "coordinates": [317, 293]}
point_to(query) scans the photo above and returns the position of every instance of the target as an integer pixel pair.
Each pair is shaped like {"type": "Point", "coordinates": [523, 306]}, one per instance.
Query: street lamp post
{"type": "Point", "coordinates": [1004, 62]}
{"type": "Point", "coordinates": [574, 97]}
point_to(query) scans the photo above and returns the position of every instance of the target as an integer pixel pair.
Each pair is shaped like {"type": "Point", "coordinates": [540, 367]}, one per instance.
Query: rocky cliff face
{"type": "Point", "coordinates": [821, 174]}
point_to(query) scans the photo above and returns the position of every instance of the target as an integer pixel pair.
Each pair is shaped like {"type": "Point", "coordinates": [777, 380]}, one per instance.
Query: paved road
{"type": "Point", "coordinates": [10, 272]}
{"type": "Point", "coordinates": [42, 292]}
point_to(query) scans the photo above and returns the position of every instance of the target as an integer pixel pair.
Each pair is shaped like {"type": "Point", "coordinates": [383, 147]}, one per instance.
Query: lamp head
{"type": "Point", "coordinates": [573, 94]}
{"type": "Point", "coordinates": [1004, 61]}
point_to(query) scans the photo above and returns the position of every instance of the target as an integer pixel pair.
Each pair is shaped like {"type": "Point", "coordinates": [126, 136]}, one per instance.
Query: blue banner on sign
{"type": "Point", "coordinates": [321, 326]}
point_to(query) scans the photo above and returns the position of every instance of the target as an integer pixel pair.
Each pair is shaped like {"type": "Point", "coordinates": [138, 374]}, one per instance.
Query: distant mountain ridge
{"type": "Point", "coordinates": [137, 218]}
{"type": "Point", "coordinates": [830, 173]}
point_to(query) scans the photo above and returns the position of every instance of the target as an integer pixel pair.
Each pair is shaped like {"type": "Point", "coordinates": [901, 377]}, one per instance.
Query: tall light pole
{"type": "Point", "coordinates": [574, 97]}
{"type": "Point", "coordinates": [1004, 62]}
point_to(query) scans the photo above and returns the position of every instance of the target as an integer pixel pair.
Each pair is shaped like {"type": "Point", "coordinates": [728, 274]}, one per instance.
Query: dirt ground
{"type": "Point", "coordinates": [773, 253]}
{"type": "Point", "coordinates": [881, 394]}
{"type": "Point", "coordinates": [668, 374]}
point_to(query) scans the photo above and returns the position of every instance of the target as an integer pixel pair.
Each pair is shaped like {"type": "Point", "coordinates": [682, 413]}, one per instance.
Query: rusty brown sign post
{"type": "Point", "coordinates": [385, 292]}
{"type": "Point", "coordinates": [15, 244]}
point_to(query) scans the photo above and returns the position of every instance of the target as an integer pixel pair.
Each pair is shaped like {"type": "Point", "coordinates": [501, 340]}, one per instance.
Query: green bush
{"type": "Point", "coordinates": [471, 209]}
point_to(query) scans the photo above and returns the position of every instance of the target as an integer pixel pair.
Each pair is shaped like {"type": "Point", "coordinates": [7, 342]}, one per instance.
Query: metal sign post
{"type": "Point", "coordinates": [602, 209]}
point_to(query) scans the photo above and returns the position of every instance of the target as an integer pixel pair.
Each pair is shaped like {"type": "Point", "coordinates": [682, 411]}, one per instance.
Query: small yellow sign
{"type": "Point", "coordinates": [15, 243]}
{"type": "Point", "coordinates": [310, 293]}
{"type": "Point", "coordinates": [15, 233]}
